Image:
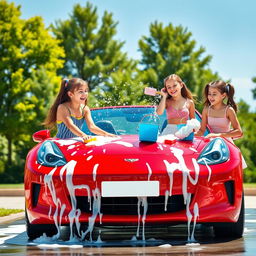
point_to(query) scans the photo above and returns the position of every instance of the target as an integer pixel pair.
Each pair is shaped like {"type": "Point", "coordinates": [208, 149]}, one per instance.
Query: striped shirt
{"type": "Point", "coordinates": [63, 131]}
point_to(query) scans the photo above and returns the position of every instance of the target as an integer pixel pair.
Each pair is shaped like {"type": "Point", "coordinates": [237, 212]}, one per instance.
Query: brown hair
{"type": "Point", "coordinates": [185, 92]}
{"type": "Point", "coordinates": [222, 87]}
{"type": "Point", "coordinates": [72, 85]}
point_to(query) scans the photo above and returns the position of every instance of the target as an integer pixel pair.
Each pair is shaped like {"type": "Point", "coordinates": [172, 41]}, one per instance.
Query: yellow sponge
{"type": "Point", "coordinates": [91, 139]}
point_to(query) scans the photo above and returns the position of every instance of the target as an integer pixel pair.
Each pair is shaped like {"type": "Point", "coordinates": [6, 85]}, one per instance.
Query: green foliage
{"type": "Point", "coordinates": [124, 87]}
{"type": "Point", "coordinates": [254, 90]}
{"type": "Point", "coordinates": [247, 144]}
{"type": "Point", "coordinates": [168, 50]}
{"type": "Point", "coordinates": [30, 58]}
{"type": "Point", "coordinates": [91, 52]}
{"type": "Point", "coordinates": [6, 212]}
{"type": "Point", "coordinates": [26, 49]}
{"type": "Point", "coordinates": [13, 173]}
{"type": "Point", "coordinates": [12, 186]}
{"type": "Point", "coordinates": [3, 153]}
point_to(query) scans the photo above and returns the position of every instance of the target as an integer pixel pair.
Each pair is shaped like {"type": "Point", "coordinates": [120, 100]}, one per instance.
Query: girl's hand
{"type": "Point", "coordinates": [199, 133]}
{"type": "Point", "coordinates": [163, 92]}
{"type": "Point", "coordinates": [213, 135]}
{"type": "Point", "coordinates": [86, 137]}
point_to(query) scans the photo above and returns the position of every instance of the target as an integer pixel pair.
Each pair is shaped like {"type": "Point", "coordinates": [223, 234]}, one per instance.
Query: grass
{"type": "Point", "coordinates": [6, 212]}
{"type": "Point", "coordinates": [250, 185]}
{"type": "Point", "coordinates": [2, 186]}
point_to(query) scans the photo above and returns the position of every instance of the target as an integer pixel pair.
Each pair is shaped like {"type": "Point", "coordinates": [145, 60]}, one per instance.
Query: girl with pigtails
{"type": "Point", "coordinates": [220, 112]}
{"type": "Point", "coordinates": [70, 110]}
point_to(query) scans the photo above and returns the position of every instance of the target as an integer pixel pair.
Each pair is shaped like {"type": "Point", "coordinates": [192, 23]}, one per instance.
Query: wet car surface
{"type": "Point", "coordinates": [125, 180]}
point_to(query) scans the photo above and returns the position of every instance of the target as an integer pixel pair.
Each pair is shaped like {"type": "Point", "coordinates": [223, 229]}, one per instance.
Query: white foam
{"type": "Point", "coordinates": [192, 244]}
{"type": "Point", "coordinates": [48, 181]}
{"type": "Point", "coordinates": [134, 238]}
{"type": "Point", "coordinates": [126, 144]}
{"type": "Point", "coordinates": [94, 172]}
{"type": "Point", "coordinates": [193, 149]}
{"type": "Point", "coordinates": [101, 140]}
{"type": "Point", "coordinates": [66, 142]}
{"type": "Point", "coordinates": [165, 246]}
{"type": "Point", "coordinates": [143, 202]}
{"type": "Point", "coordinates": [160, 147]}
{"type": "Point", "coordinates": [13, 229]}
{"type": "Point", "coordinates": [181, 166]}
{"type": "Point", "coordinates": [71, 147]}
{"type": "Point", "coordinates": [73, 153]}
{"type": "Point", "coordinates": [95, 213]}
{"type": "Point", "coordinates": [45, 246]}
{"type": "Point", "coordinates": [191, 125]}
{"type": "Point", "coordinates": [209, 169]}
{"type": "Point", "coordinates": [89, 158]}
{"type": "Point", "coordinates": [149, 171]}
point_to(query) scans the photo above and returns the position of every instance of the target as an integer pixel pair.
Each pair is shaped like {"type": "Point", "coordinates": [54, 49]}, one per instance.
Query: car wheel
{"type": "Point", "coordinates": [235, 229]}
{"type": "Point", "coordinates": [37, 230]}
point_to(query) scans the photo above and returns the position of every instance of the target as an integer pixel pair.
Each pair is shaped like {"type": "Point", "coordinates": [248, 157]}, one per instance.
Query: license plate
{"type": "Point", "coordinates": [129, 188]}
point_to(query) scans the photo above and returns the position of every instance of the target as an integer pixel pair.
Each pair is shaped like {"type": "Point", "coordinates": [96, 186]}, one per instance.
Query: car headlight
{"type": "Point", "coordinates": [50, 155]}
{"type": "Point", "coordinates": [216, 152]}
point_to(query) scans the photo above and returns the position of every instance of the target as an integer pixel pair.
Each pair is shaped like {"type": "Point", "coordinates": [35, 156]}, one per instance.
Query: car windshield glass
{"type": "Point", "coordinates": [126, 120]}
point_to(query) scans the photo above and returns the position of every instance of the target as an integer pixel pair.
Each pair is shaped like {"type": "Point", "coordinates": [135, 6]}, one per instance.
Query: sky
{"type": "Point", "coordinates": [225, 28]}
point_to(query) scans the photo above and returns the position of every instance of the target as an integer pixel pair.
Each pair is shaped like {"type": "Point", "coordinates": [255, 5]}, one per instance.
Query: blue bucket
{"type": "Point", "coordinates": [148, 132]}
{"type": "Point", "coordinates": [190, 137]}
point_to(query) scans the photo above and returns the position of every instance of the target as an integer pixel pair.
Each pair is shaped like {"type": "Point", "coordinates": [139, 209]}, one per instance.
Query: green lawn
{"type": "Point", "coordinates": [250, 185]}
{"type": "Point", "coordinates": [12, 186]}
{"type": "Point", "coordinates": [6, 212]}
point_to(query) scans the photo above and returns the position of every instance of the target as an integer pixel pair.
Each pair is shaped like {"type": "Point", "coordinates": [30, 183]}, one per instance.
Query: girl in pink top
{"type": "Point", "coordinates": [220, 111]}
{"type": "Point", "coordinates": [220, 115]}
{"type": "Point", "coordinates": [178, 102]}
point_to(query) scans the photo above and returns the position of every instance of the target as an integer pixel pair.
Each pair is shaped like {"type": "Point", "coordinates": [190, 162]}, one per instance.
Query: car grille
{"type": "Point", "coordinates": [129, 205]}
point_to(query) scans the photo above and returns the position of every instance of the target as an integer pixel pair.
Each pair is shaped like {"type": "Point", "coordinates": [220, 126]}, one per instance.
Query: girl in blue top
{"type": "Point", "coordinates": [70, 110]}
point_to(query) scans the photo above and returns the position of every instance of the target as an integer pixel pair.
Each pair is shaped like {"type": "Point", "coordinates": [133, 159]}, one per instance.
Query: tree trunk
{"type": "Point", "coordinates": [9, 151]}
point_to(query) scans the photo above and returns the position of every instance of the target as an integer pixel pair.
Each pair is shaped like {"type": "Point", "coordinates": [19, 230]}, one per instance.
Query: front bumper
{"type": "Point", "coordinates": [218, 199]}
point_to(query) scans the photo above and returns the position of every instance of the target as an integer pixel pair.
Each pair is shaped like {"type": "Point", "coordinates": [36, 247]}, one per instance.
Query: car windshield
{"type": "Point", "coordinates": [126, 120]}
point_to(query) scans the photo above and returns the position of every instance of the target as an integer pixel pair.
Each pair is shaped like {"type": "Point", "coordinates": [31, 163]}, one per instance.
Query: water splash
{"type": "Point", "coordinates": [181, 165]}
{"type": "Point", "coordinates": [149, 171]}
{"type": "Point", "coordinates": [95, 212]}
{"type": "Point", "coordinates": [94, 172]}
{"type": "Point", "coordinates": [142, 201]}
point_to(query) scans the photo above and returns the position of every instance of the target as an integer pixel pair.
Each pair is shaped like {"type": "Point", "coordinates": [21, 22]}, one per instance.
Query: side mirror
{"type": "Point", "coordinates": [41, 135]}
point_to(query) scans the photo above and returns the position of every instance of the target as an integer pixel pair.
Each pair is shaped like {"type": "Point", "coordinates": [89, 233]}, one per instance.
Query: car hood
{"type": "Point", "coordinates": [123, 145]}
{"type": "Point", "coordinates": [125, 155]}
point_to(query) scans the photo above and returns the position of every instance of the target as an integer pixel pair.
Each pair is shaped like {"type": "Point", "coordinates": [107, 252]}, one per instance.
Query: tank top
{"type": "Point", "coordinates": [62, 130]}
{"type": "Point", "coordinates": [219, 124]}
{"type": "Point", "coordinates": [183, 113]}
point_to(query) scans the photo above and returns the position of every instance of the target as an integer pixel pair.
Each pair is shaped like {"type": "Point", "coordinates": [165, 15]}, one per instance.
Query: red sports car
{"type": "Point", "coordinates": [125, 181]}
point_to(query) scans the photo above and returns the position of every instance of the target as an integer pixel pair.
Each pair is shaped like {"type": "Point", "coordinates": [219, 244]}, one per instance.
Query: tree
{"type": "Point", "coordinates": [247, 143]}
{"type": "Point", "coordinates": [254, 90]}
{"type": "Point", "coordinates": [123, 88]}
{"type": "Point", "coordinates": [170, 50]}
{"type": "Point", "coordinates": [91, 52]}
{"type": "Point", "coordinates": [26, 48]}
